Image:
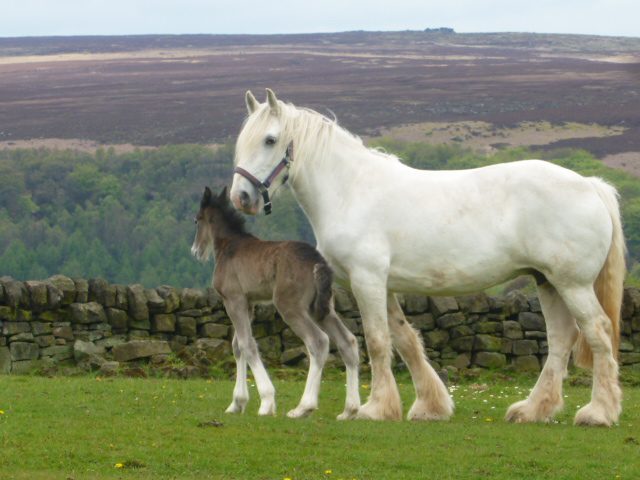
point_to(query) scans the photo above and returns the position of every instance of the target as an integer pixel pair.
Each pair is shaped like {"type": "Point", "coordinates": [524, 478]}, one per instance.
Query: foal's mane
{"type": "Point", "coordinates": [231, 217]}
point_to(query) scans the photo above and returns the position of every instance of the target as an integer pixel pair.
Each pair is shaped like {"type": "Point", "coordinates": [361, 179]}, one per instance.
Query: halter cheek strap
{"type": "Point", "coordinates": [263, 187]}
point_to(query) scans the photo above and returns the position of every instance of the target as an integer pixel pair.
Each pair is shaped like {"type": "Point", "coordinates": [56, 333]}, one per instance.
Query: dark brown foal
{"type": "Point", "coordinates": [291, 275]}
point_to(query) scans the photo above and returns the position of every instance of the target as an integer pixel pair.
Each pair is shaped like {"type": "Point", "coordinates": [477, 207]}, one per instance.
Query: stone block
{"type": "Point", "coordinates": [154, 301]}
{"type": "Point", "coordinates": [487, 327]}
{"type": "Point", "coordinates": [163, 322]}
{"type": "Point", "coordinates": [487, 343]}
{"type": "Point", "coordinates": [214, 348]}
{"type": "Point", "coordinates": [86, 313]}
{"type": "Point", "coordinates": [450, 320]}
{"type": "Point", "coordinates": [629, 358]}
{"type": "Point", "coordinates": [422, 322]}
{"type": "Point", "coordinates": [170, 297]}
{"type": "Point", "coordinates": [461, 331]}
{"type": "Point", "coordinates": [14, 328]}
{"type": "Point", "coordinates": [137, 300]}
{"type": "Point", "coordinates": [442, 305]}
{"type": "Point", "coordinates": [122, 300]}
{"type": "Point", "coordinates": [490, 359]}
{"type": "Point", "coordinates": [66, 286]}
{"type": "Point", "coordinates": [187, 326]}
{"type": "Point", "coordinates": [58, 352]}
{"type": "Point", "coordinates": [213, 330]}
{"type": "Point", "coordinates": [23, 367]}
{"type": "Point", "coordinates": [139, 349]}
{"type": "Point", "coordinates": [512, 329]}
{"type": "Point", "coordinates": [45, 340]}
{"type": "Point", "coordinates": [38, 294]}
{"type": "Point", "coordinates": [478, 303]}
{"type": "Point", "coordinates": [24, 351]}
{"type": "Point", "coordinates": [270, 348]}
{"type": "Point", "coordinates": [82, 290]}
{"type": "Point", "coordinates": [515, 302]}
{"type": "Point", "coordinates": [532, 321]}
{"type": "Point", "coordinates": [525, 347]}
{"type": "Point", "coordinates": [462, 344]}
{"type": "Point", "coordinates": [416, 304]}
{"type": "Point", "coordinates": [293, 356]}
{"type": "Point", "coordinates": [63, 331]}
{"type": "Point", "coordinates": [192, 298]}
{"type": "Point", "coordinates": [435, 339]}
{"type": "Point", "coordinates": [15, 293]}
{"type": "Point", "coordinates": [41, 328]}
{"type": "Point", "coordinates": [118, 319]}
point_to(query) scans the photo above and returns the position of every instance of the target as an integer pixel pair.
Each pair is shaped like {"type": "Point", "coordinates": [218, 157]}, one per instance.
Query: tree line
{"type": "Point", "coordinates": [128, 217]}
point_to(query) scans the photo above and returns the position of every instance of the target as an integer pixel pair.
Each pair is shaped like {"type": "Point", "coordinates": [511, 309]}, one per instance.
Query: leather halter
{"type": "Point", "coordinates": [263, 187]}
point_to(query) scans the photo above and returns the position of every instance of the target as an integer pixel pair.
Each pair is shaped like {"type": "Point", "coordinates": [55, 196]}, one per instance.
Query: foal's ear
{"type": "Point", "coordinates": [252, 103]}
{"type": "Point", "coordinates": [206, 197]}
{"type": "Point", "coordinates": [273, 102]}
{"type": "Point", "coordinates": [224, 196]}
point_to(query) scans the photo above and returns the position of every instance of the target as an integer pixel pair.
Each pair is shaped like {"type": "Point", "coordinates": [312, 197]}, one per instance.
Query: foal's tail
{"type": "Point", "coordinates": [323, 277]}
{"type": "Point", "coordinates": [609, 284]}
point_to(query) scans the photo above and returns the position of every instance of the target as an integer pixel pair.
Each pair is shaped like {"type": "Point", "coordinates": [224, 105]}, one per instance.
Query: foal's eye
{"type": "Point", "coordinates": [270, 140]}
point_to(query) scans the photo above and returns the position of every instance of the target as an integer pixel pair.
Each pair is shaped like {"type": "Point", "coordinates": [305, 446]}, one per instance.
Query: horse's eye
{"type": "Point", "coordinates": [270, 140]}
{"type": "Point", "coordinates": [195, 220]}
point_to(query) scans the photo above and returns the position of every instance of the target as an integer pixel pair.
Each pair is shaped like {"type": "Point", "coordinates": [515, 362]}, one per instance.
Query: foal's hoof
{"type": "Point", "coordinates": [267, 410]}
{"type": "Point", "coordinates": [521, 412]}
{"type": "Point", "coordinates": [234, 408]}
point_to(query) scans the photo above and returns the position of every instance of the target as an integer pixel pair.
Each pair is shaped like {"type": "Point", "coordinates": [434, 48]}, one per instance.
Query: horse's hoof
{"type": "Point", "coordinates": [348, 414]}
{"type": "Point", "coordinates": [420, 411]}
{"type": "Point", "coordinates": [266, 410]}
{"type": "Point", "coordinates": [375, 411]}
{"type": "Point", "coordinates": [594, 416]}
{"type": "Point", "coordinates": [234, 408]}
{"type": "Point", "coordinates": [300, 412]}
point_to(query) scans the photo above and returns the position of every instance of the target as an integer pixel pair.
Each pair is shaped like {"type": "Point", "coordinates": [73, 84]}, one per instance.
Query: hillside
{"type": "Point", "coordinates": [156, 90]}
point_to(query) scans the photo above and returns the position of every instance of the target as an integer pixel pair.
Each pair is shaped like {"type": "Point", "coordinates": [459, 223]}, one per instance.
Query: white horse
{"type": "Point", "coordinates": [385, 228]}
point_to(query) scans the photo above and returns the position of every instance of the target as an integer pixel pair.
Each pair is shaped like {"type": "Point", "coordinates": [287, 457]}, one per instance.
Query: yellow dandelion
{"type": "Point", "coordinates": [286, 478]}
{"type": "Point", "coordinates": [1, 412]}
{"type": "Point", "coordinates": [488, 419]}
{"type": "Point", "coordinates": [328, 472]}
{"type": "Point", "coordinates": [365, 386]}
{"type": "Point", "coordinates": [119, 465]}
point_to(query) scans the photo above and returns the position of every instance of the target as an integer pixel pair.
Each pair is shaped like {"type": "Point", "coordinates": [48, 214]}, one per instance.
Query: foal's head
{"type": "Point", "coordinates": [215, 220]}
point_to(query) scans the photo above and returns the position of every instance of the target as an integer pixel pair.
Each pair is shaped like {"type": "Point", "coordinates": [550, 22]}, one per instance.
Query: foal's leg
{"type": "Point", "coordinates": [240, 391]}
{"type": "Point", "coordinates": [606, 396]}
{"type": "Point", "coordinates": [239, 312]}
{"type": "Point", "coordinates": [433, 401]}
{"type": "Point", "coordinates": [348, 348]}
{"type": "Point", "coordinates": [317, 344]}
{"type": "Point", "coordinates": [546, 397]}
{"type": "Point", "coordinates": [371, 295]}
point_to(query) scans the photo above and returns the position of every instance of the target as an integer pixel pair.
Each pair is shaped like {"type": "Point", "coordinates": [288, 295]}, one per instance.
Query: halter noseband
{"type": "Point", "coordinates": [263, 187]}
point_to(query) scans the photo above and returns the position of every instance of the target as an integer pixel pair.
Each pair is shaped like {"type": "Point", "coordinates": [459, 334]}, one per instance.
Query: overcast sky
{"type": "Point", "coordinates": [119, 17]}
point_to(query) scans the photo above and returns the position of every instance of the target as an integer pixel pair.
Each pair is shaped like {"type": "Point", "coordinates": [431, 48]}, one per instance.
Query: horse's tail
{"type": "Point", "coordinates": [323, 278]}
{"type": "Point", "coordinates": [609, 283]}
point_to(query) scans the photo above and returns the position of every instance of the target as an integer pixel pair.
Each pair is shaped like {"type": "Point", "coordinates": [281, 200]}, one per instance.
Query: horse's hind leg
{"type": "Point", "coordinates": [317, 343]}
{"type": "Point", "coordinates": [348, 348]}
{"type": "Point", "coordinates": [239, 311]}
{"type": "Point", "coordinates": [433, 401]}
{"type": "Point", "coordinates": [546, 397]}
{"type": "Point", "coordinates": [606, 396]}
{"type": "Point", "coordinates": [240, 391]}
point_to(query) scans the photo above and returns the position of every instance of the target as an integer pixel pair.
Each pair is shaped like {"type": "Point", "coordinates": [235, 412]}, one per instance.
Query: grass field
{"type": "Point", "coordinates": [93, 428]}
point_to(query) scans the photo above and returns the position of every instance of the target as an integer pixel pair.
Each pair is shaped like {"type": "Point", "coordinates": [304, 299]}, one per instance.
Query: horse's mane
{"type": "Point", "coordinates": [313, 131]}
{"type": "Point", "coordinates": [232, 218]}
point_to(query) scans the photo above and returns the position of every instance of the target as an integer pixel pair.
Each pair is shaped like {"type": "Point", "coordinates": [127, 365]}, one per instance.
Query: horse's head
{"type": "Point", "coordinates": [262, 155]}
{"type": "Point", "coordinates": [215, 218]}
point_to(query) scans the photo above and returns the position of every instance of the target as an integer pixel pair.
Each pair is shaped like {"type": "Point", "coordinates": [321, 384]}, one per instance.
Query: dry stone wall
{"type": "Point", "coordinates": [92, 324]}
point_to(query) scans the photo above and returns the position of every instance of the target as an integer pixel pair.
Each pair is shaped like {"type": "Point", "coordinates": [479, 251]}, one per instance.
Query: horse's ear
{"type": "Point", "coordinates": [206, 197]}
{"type": "Point", "coordinates": [252, 103]}
{"type": "Point", "coordinates": [224, 196]}
{"type": "Point", "coordinates": [273, 102]}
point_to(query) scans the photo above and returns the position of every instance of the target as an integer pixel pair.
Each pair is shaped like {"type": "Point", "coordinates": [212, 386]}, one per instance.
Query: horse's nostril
{"type": "Point", "coordinates": [244, 198]}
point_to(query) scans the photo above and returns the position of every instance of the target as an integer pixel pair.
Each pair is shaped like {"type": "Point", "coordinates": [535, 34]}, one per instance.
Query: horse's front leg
{"type": "Point", "coordinates": [433, 401]}
{"type": "Point", "coordinates": [239, 312]}
{"type": "Point", "coordinates": [384, 402]}
{"type": "Point", "coordinates": [240, 390]}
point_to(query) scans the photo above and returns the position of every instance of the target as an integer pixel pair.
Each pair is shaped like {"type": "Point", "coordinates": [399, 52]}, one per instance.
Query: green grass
{"type": "Point", "coordinates": [80, 428]}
